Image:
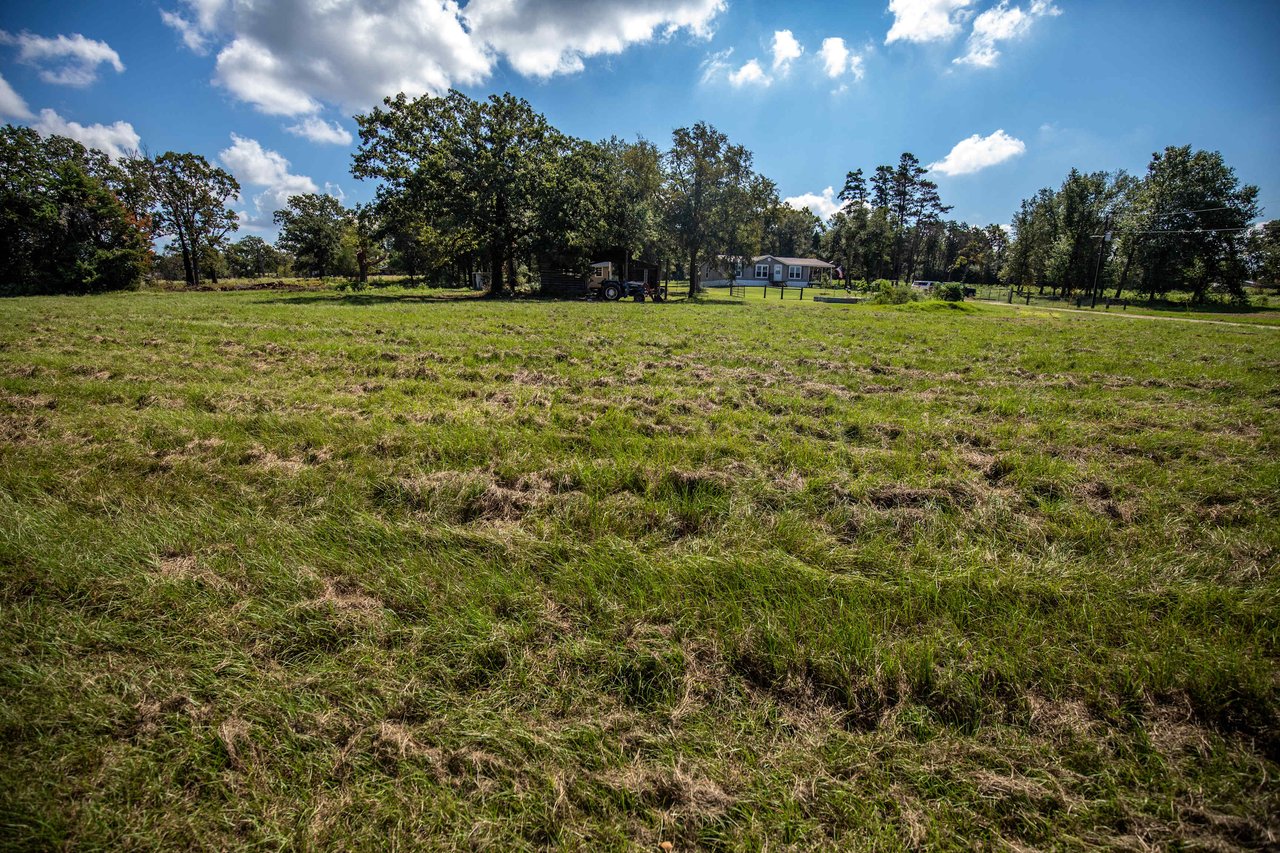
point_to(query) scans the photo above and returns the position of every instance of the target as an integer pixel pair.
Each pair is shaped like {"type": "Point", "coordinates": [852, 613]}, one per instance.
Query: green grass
{"type": "Point", "coordinates": [387, 568]}
{"type": "Point", "coordinates": [1262, 310]}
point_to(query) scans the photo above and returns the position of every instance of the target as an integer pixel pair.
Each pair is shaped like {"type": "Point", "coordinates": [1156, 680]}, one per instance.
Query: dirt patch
{"type": "Point", "coordinates": [1098, 496]}
{"type": "Point", "coordinates": [233, 734]}
{"type": "Point", "coordinates": [346, 599]}
{"type": "Point", "coordinates": [675, 790]}
{"type": "Point", "coordinates": [29, 402]}
{"type": "Point", "coordinates": [184, 567]}
{"type": "Point", "coordinates": [899, 497]}
{"type": "Point", "coordinates": [266, 460]}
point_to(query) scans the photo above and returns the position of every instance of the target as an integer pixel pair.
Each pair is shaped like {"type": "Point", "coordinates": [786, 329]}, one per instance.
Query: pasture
{"type": "Point", "coordinates": [401, 569]}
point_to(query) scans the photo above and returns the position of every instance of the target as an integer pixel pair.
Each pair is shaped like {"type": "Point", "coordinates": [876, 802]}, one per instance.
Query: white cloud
{"type": "Point", "coordinates": [750, 74]}
{"type": "Point", "coordinates": [541, 38]}
{"type": "Point", "coordinates": [319, 130]}
{"type": "Point", "coordinates": [979, 152]}
{"type": "Point", "coordinates": [64, 60]}
{"type": "Point", "coordinates": [823, 204]}
{"type": "Point", "coordinates": [834, 56]}
{"type": "Point", "coordinates": [837, 59]}
{"type": "Point", "coordinates": [116, 140]}
{"type": "Point", "coordinates": [191, 34]}
{"type": "Point", "coordinates": [11, 103]}
{"type": "Point", "coordinates": [716, 65]}
{"type": "Point", "coordinates": [785, 50]}
{"type": "Point", "coordinates": [1000, 23]}
{"type": "Point", "coordinates": [925, 20]}
{"type": "Point", "coordinates": [256, 166]}
{"type": "Point", "coordinates": [291, 57]}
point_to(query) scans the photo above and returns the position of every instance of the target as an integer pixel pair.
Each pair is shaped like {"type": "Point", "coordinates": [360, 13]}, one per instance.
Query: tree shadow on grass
{"type": "Point", "coordinates": [370, 299]}
{"type": "Point", "coordinates": [366, 299]}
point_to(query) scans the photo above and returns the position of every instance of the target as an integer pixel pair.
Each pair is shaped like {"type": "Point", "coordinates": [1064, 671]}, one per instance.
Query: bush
{"type": "Point", "coordinates": [895, 294]}
{"type": "Point", "coordinates": [949, 292]}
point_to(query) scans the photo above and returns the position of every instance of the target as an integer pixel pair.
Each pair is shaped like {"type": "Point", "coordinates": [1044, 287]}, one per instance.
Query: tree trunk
{"type": "Point", "coordinates": [495, 271]}
{"type": "Point", "coordinates": [693, 273]}
{"type": "Point", "coordinates": [187, 270]}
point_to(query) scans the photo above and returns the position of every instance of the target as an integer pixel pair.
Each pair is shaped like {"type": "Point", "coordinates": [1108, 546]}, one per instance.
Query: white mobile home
{"type": "Point", "coordinates": [764, 270]}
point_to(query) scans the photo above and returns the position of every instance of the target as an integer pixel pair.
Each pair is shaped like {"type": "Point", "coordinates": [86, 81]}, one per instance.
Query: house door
{"type": "Point", "coordinates": [777, 272]}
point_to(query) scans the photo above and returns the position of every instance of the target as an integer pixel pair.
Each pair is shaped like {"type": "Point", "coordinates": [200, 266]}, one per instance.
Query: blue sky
{"type": "Point", "coordinates": [1004, 97]}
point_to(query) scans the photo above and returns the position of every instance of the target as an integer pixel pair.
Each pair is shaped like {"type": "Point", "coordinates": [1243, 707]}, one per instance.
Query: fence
{"type": "Point", "coordinates": [1010, 295]}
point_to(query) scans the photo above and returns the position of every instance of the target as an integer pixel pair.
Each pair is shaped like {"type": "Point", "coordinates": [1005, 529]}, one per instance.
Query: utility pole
{"type": "Point", "coordinates": [1102, 247]}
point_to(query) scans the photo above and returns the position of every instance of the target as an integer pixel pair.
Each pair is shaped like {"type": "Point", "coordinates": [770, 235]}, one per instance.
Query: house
{"type": "Point", "coordinates": [766, 270]}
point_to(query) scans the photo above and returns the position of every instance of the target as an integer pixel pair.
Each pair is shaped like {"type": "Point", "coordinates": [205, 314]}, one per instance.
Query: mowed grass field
{"type": "Point", "coordinates": [384, 570]}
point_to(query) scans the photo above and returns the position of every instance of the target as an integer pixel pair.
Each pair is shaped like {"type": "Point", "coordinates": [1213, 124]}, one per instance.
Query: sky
{"type": "Point", "coordinates": [997, 98]}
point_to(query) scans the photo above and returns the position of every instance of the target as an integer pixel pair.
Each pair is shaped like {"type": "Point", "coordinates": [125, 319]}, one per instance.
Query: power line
{"type": "Point", "coordinates": [1181, 212]}
{"type": "Point", "coordinates": [1186, 231]}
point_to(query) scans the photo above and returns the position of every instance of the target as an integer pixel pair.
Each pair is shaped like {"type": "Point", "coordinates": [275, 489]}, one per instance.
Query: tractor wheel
{"type": "Point", "coordinates": [640, 296]}
{"type": "Point", "coordinates": [611, 292]}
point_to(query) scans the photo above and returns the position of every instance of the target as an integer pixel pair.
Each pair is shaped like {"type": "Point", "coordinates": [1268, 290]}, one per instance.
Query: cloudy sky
{"type": "Point", "coordinates": [1000, 98]}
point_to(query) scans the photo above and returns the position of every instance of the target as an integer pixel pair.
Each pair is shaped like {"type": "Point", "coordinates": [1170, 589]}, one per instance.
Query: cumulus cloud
{"type": "Point", "coordinates": [979, 152]}
{"type": "Point", "coordinates": [837, 59]}
{"type": "Point", "coordinates": [291, 57]}
{"type": "Point", "coordinates": [750, 74]}
{"type": "Point", "coordinates": [319, 130]}
{"type": "Point", "coordinates": [192, 37]}
{"type": "Point", "coordinates": [11, 103]}
{"type": "Point", "coordinates": [1000, 23]}
{"type": "Point", "coordinates": [925, 20]}
{"type": "Point", "coordinates": [785, 50]}
{"type": "Point", "coordinates": [63, 60]}
{"type": "Point", "coordinates": [256, 166]}
{"type": "Point", "coordinates": [823, 204]}
{"type": "Point", "coordinates": [541, 38]}
{"type": "Point", "coordinates": [116, 140]}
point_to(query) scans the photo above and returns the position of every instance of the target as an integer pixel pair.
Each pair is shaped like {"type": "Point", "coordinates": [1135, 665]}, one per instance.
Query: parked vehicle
{"type": "Point", "coordinates": [603, 285]}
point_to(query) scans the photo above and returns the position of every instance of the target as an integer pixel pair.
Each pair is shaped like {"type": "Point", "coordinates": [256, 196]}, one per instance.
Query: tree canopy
{"type": "Point", "coordinates": [62, 228]}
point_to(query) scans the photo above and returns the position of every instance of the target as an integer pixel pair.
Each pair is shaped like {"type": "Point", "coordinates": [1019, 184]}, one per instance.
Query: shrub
{"type": "Point", "coordinates": [949, 292]}
{"type": "Point", "coordinates": [895, 294]}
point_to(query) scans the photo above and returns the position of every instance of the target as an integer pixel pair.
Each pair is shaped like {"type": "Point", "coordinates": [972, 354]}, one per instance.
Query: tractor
{"type": "Point", "coordinates": [602, 284]}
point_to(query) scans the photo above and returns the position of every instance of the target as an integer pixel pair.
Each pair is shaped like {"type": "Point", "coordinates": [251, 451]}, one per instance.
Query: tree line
{"type": "Point", "coordinates": [488, 186]}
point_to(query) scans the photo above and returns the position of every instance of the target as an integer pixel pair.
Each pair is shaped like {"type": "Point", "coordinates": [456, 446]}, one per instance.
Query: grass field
{"type": "Point", "coordinates": [394, 570]}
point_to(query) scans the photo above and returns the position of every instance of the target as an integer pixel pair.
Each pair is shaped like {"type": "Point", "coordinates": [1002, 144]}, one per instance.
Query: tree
{"type": "Point", "coordinates": [190, 198]}
{"type": "Point", "coordinates": [1194, 216]}
{"type": "Point", "coordinates": [252, 257]}
{"type": "Point", "coordinates": [479, 167]}
{"type": "Point", "coordinates": [312, 229]}
{"type": "Point", "coordinates": [367, 233]}
{"type": "Point", "coordinates": [716, 202]}
{"type": "Point", "coordinates": [1264, 253]}
{"type": "Point", "coordinates": [910, 201]}
{"type": "Point", "coordinates": [62, 228]}
{"type": "Point", "coordinates": [633, 181]}
{"type": "Point", "coordinates": [792, 233]}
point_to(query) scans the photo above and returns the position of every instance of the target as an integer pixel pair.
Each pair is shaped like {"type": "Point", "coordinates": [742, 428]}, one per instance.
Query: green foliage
{"type": "Point", "coordinates": [949, 292]}
{"type": "Point", "coordinates": [312, 229]}
{"type": "Point", "coordinates": [62, 228]}
{"type": "Point", "coordinates": [717, 203]}
{"type": "Point", "coordinates": [189, 200]}
{"type": "Point", "coordinates": [1182, 227]}
{"type": "Point", "coordinates": [893, 293]}
{"type": "Point", "coordinates": [492, 174]}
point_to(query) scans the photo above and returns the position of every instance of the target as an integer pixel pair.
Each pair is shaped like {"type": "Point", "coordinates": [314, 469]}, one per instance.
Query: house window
{"type": "Point", "coordinates": [762, 270]}
{"type": "Point", "coordinates": [795, 273]}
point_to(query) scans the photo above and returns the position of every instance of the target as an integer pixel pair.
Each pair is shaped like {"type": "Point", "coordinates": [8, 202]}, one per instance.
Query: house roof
{"type": "Point", "coordinates": [795, 262]}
